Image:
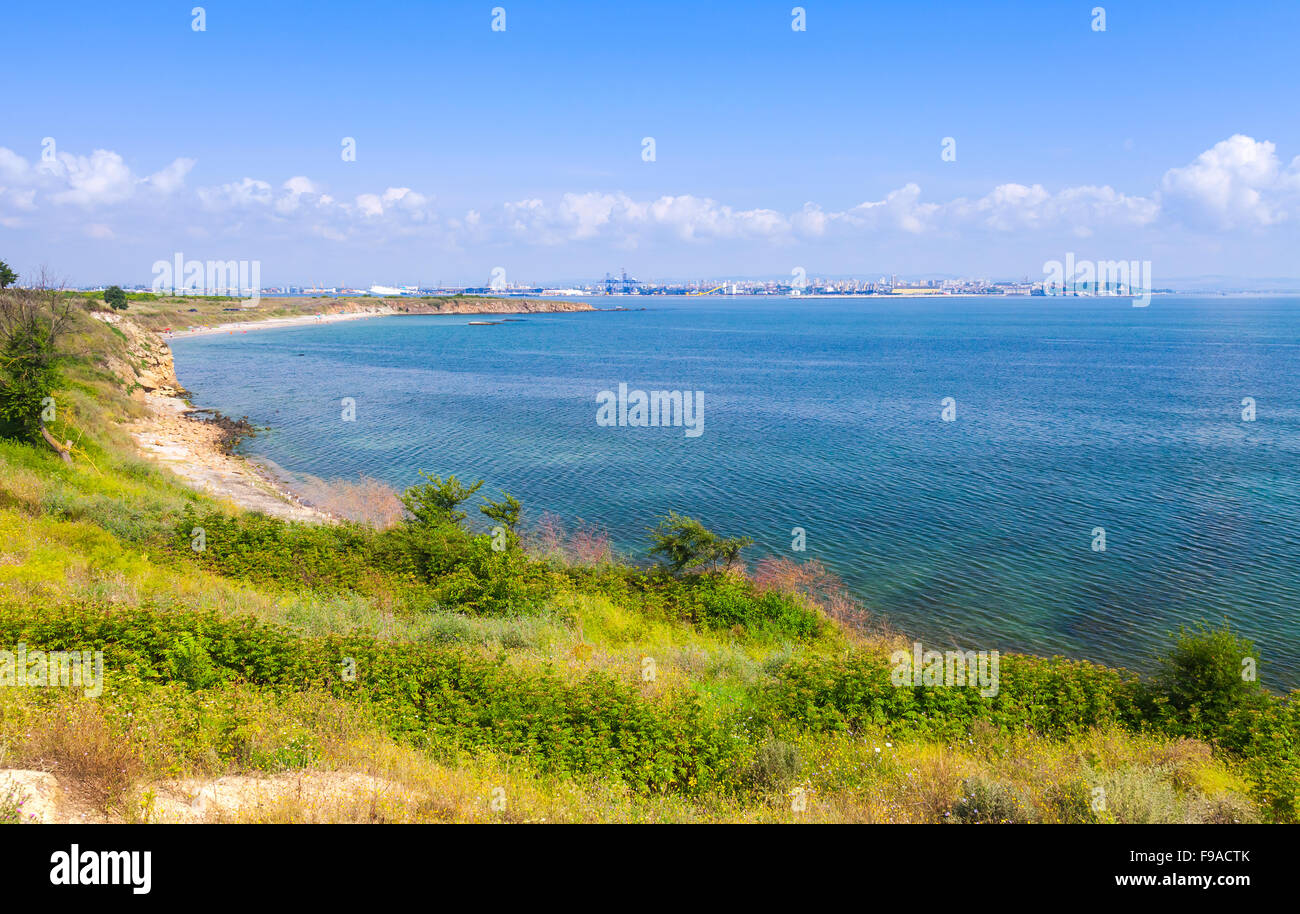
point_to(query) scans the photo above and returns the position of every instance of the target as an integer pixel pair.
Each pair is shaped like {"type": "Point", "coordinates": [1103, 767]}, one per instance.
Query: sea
{"type": "Point", "coordinates": [1073, 476]}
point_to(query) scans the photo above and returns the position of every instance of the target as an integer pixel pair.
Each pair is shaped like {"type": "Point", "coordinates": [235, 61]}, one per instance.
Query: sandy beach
{"type": "Point", "coordinates": [277, 322]}
{"type": "Point", "coordinates": [191, 448]}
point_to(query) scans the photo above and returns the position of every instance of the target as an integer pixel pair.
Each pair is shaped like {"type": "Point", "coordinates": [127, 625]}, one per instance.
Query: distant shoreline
{"type": "Point", "coordinates": [353, 310]}
{"type": "Point", "coordinates": [274, 323]}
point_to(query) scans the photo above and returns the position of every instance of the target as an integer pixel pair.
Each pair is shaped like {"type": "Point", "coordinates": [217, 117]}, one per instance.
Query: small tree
{"type": "Point", "coordinates": [115, 298]}
{"type": "Point", "coordinates": [685, 544]}
{"type": "Point", "coordinates": [7, 276]}
{"type": "Point", "coordinates": [436, 501]}
{"type": "Point", "coordinates": [31, 323]}
{"type": "Point", "coordinates": [505, 512]}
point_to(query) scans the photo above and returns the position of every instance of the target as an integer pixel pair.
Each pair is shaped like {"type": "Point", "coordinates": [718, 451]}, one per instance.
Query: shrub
{"type": "Point", "coordinates": [1070, 801]}
{"type": "Point", "coordinates": [189, 662]}
{"type": "Point", "coordinates": [1269, 744]}
{"type": "Point", "coordinates": [775, 764]}
{"type": "Point", "coordinates": [435, 502]}
{"type": "Point", "coordinates": [983, 801]}
{"type": "Point", "coordinates": [259, 548]}
{"type": "Point", "coordinates": [855, 692]}
{"type": "Point", "coordinates": [685, 544]}
{"type": "Point", "coordinates": [1199, 686]}
{"type": "Point", "coordinates": [813, 581]}
{"type": "Point", "coordinates": [78, 744]}
{"type": "Point", "coordinates": [723, 602]}
{"type": "Point", "coordinates": [1225, 809]}
{"type": "Point", "coordinates": [486, 581]}
{"type": "Point", "coordinates": [588, 545]}
{"type": "Point", "coordinates": [32, 321]}
{"type": "Point", "coordinates": [1139, 795]}
{"type": "Point", "coordinates": [445, 700]}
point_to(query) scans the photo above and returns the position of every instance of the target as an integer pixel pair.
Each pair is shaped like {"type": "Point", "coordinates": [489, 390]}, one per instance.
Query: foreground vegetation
{"type": "Point", "coordinates": [497, 670]}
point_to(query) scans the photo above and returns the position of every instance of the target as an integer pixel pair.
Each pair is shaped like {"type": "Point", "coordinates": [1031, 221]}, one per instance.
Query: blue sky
{"type": "Point", "coordinates": [1170, 137]}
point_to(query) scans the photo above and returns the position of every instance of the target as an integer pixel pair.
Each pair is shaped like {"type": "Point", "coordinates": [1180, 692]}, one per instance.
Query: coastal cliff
{"type": "Point", "coordinates": [186, 315]}
{"type": "Point", "coordinates": [146, 366]}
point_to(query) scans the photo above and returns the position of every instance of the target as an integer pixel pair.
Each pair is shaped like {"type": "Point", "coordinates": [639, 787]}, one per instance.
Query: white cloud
{"type": "Point", "coordinates": [404, 198]}
{"type": "Point", "coordinates": [693, 218]}
{"type": "Point", "coordinates": [394, 200]}
{"type": "Point", "coordinates": [1237, 183]}
{"type": "Point", "coordinates": [901, 209]}
{"type": "Point", "coordinates": [578, 217]}
{"type": "Point", "coordinates": [22, 199]}
{"type": "Point", "coordinates": [295, 189]}
{"type": "Point", "coordinates": [13, 167]}
{"type": "Point", "coordinates": [98, 179]}
{"type": "Point", "coordinates": [171, 178]}
{"type": "Point", "coordinates": [246, 193]}
{"type": "Point", "coordinates": [370, 205]}
{"type": "Point", "coordinates": [300, 185]}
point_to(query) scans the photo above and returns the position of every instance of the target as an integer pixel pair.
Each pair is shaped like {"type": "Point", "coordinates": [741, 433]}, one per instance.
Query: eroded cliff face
{"type": "Point", "coordinates": [147, 367]}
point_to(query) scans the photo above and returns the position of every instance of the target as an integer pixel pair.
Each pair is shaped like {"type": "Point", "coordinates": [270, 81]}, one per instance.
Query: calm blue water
{"type": "Point", "coordinates": [825, 414]}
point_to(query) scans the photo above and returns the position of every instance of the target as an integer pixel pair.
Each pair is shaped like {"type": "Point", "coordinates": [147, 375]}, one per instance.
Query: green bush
{"type": "Point", "coordinates": [256, 547]}
{"type": "Point", "coordinates": [1199, 690]}
{"type": "Point", "coordinates": [718, 602]}
{"type": "Point", "coordinates": [1268, 744]}
{"type": "Point", "coordinates": [724, 601]}
{"type": "Point", "coordinates": [445, 700]}
{"type": "Point", "coordinates": [855, 693]}
{"type": "Point", "coordinates": [1201, 686]}
{"type": "Point", "coordinates": [434, 565]}
{"type": "Point", "coordinates": [188, 661]}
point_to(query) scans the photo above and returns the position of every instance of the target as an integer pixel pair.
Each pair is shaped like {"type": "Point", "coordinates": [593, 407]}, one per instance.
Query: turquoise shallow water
{"type": "Point", "coordinates": [825, 414]}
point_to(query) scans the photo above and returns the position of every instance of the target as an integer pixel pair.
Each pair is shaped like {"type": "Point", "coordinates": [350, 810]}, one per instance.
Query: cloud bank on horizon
{"type": "Point", "coordinates": [1240, 187]}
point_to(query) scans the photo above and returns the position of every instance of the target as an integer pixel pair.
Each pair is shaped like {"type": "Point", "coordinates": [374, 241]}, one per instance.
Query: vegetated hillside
{"type": "Point", "coordinates": [522, 674]}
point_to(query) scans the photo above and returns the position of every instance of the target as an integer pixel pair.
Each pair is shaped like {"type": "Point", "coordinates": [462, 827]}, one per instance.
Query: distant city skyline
{"type": "Point", "coordinates": [684, 140]}
{"type": "Point", "coordinates": [623, 282]}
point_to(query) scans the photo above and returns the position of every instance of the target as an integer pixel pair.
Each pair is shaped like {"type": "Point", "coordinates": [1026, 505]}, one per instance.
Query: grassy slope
{"type": "Point", "coordinates": [232, 662]}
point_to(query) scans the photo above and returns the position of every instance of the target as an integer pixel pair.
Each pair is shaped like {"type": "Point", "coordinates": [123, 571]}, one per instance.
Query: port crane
{"type": "Point", "coordinates": [625, 285]}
